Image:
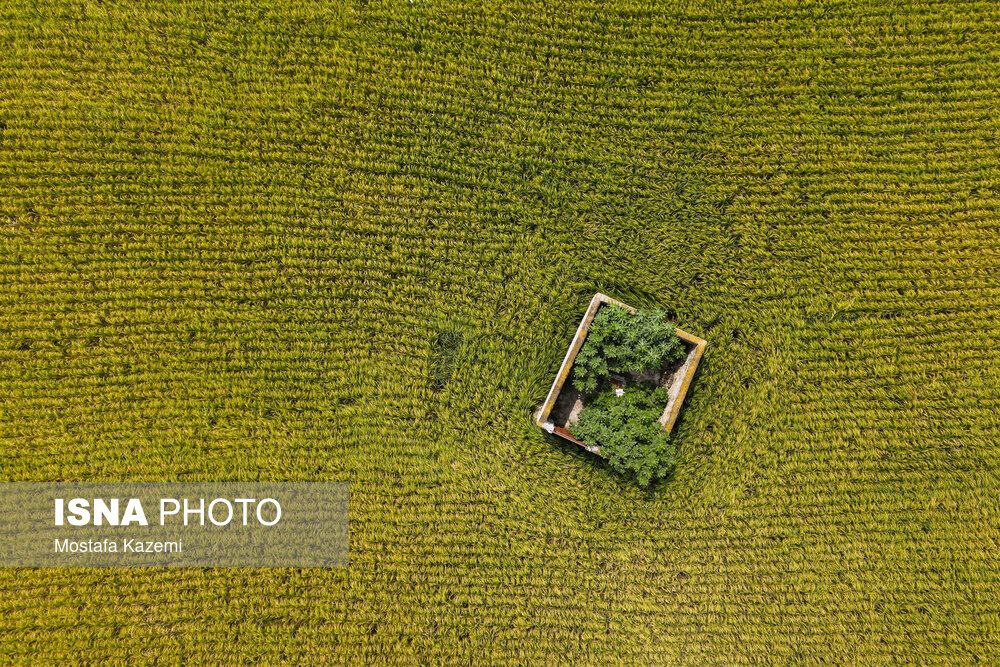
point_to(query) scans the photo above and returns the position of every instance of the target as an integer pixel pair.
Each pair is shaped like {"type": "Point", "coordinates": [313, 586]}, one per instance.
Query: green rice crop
{"type": "Point", "coordinates": [351, 241]}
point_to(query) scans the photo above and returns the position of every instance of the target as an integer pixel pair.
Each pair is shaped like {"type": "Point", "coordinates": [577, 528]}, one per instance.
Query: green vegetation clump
{"type": "Point", "coordinates": [626, 427]}
{"type": "Point", "coordinates": [627, 431]}
{"type": "Point", "coordinates": [622, 342]}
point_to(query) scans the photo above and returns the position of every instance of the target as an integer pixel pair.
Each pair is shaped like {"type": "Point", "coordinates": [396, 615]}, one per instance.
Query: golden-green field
{"type": "Point", "coordinates": [290, 240]}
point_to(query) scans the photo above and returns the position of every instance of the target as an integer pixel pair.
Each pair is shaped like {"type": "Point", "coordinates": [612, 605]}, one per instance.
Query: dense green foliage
{"type": "Point", "coordinates": [627, 431]}
{"type": "Point", "coordinates": [622, 342]}
{"type": "Point", "coordinates": [626, 427]}
{"type": "Point", "coordinates": [230, 232]}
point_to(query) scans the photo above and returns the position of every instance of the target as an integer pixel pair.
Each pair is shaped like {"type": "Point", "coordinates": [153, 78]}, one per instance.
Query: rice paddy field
{"type": "Point", "coordinates": [293, 240]}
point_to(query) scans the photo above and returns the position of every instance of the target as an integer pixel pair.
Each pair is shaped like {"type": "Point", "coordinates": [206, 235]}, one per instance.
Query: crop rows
{"type": "Point", "coordinates": [351, 241]}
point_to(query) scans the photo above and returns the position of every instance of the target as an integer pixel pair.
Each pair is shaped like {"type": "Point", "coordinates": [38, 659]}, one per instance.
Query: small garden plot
{"type": "Point", "coordinates": [621, 385]}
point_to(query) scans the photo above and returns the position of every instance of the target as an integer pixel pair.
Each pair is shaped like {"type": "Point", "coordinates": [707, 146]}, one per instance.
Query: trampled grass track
{"type": "Point", "coordinates": [230, 232]}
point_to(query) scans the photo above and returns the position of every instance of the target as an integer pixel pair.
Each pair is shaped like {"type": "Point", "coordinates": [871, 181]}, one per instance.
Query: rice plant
{"type": "Point", "coordinates": [234, 234]}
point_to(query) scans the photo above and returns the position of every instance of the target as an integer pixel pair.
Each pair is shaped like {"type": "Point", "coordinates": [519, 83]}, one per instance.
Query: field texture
{"type": "Point", "coordinates": [293, 240]}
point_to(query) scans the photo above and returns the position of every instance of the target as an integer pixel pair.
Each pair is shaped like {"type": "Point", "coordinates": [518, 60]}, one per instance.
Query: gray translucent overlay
{"type": "Point", "coordinates": [312, 530]}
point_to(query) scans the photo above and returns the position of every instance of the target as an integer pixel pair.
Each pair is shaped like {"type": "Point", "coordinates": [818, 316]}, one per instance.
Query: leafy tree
{"type": "Point", "coordinates": [627, 431]}
{"type": "Point", "coordinates": [622, 342]}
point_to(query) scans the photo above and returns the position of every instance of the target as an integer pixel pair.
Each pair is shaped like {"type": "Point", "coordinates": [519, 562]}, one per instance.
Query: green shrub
{"type": "Point", "coordinates": [627, 431]}
{"type": "Point", "coordinates": [622, 342]}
